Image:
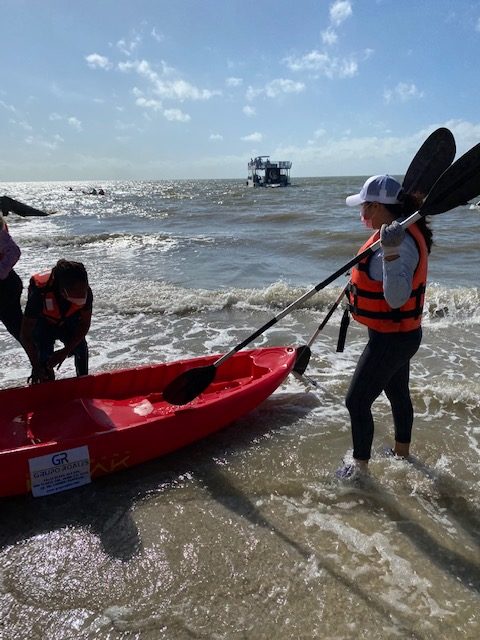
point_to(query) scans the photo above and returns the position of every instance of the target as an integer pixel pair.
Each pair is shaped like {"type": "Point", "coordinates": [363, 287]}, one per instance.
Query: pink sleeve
{"type": "Point", "coordinates": [9, 254]}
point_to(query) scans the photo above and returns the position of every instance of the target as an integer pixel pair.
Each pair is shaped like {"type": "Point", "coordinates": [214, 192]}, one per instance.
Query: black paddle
{"type": "Point", "coordinates": [456, 186]}
{"type": "Point", "coordinates": [430, 161]}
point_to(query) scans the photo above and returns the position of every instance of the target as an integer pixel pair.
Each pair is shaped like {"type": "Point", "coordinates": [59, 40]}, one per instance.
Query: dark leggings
{"type": "Point", "coordinates": [383, 366]}
{"type": "Point", "coordinates": [10, 310]}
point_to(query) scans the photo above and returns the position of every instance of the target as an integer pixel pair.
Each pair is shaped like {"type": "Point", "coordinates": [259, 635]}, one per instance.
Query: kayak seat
{"type": "Point", "coordinates": [115, 414]}
{"type": "Point", "coordinates": [224, 385]}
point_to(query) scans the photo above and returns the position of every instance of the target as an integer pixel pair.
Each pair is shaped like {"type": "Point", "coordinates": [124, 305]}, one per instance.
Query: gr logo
{"type": "Point", "coordinates": [60, 458]}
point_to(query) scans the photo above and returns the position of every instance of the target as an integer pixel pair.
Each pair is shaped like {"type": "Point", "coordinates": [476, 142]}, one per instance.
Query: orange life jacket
{"type": "Point", "coordinates": [51, 310]}
{"type": "Point", "coordinates": [367, 302]}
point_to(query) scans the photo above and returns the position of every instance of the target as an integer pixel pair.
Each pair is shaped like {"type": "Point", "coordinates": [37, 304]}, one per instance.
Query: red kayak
{"type": "Point", "coordinates": [59, 435]}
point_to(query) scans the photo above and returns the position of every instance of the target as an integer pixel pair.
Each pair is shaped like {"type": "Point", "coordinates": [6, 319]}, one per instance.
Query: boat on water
{"type": "Point", "coordinates": [60, 435]}
{"type": "Point", "coordinates": [262, 172]}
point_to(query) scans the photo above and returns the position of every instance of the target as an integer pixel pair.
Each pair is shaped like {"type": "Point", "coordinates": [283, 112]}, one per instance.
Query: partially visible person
{"type": "Point", "coordinates": [386, 294]}
{"type": "Point", "coordinates": [10, 283]}
{"type": "Point", "coordinates": [59, 307]}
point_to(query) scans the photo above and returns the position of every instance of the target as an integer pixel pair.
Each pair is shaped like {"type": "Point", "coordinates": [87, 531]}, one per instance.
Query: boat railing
{"type": "Point", "coordinates": [259, 163]}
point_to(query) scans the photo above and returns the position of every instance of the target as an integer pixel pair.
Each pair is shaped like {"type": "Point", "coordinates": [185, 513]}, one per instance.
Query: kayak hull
{"type": "Point", "coordinates": [110, 421]}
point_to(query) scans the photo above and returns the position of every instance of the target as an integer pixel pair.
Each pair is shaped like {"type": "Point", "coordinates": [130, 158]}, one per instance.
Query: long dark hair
{"type": "Point", "coordinates": [409, 203]}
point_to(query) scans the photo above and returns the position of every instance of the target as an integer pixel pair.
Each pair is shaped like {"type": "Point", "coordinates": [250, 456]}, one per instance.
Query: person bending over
{"type": "Point", "coordinates": [59, 307]}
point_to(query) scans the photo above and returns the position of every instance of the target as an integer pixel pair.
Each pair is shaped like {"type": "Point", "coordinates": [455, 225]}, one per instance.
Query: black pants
{"type": "Point", "coordinates": [45, 334]}
{"type": "Point", "coordinates": [10, 310]}
{"type": "Point", "coordinates": [383, 366]}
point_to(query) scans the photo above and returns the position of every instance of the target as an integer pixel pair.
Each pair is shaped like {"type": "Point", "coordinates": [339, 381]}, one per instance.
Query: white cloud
{"type": "Point", "coordinates": [128, 47]}
{"type": "Point", "coordinates": [216, 136]}
{"type": "Point", "coordinates": [249, 111]}
{"type": "Point", "coordinates": [466, 134]}
{"type": "Point", "coordinates": [124, 126]}
{"type": "Point", "coordinates": [156, 36]}
{"type": "Point", "coordinates": [176, 115]}
{"type": "Point", "coordinates": [324, 64]}
{"type": "Point", "coordinates": [253, 137]}
{"type": "Point", "coordinates": [75, 123]}
{"type": "Point", "coordinates": [149, 103]}
{"type": "Point", "coordinates": [402, 93]}
{"type": "Point", "coordinates": [340, 11]}
{"type": "Point", "coordinates": [317, 134]}
{"type": "Point", "coordinates": [70, 120]}
{"type": "Point", "coordinates": [234, 82]}
{"type": "Point", "coordinates": [8, 107]}
{"type": "Point", "coordinates": [38, 141]}
{"type": "Point", "coordinates": [352, 155]}
{"type": "Point", "coordinates": [96, 61]}
{"type": "Point", "coordinates": [23, 124]}
{"type": "Point", "coordinates": [275, 88]}
{"type": "Point", "coordinates": [329, 36]}
{"type": "Point", "coordinates": [176, 89]}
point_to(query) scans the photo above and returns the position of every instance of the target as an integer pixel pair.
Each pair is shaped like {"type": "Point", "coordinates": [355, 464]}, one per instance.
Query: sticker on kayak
{"type": "Point", "coordinates": [59, 471]}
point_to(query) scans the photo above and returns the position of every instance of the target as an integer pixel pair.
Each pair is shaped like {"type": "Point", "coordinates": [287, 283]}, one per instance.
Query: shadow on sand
{"type": "Point", "coordinates": [449, 498]}
{"type": "Point", "coordinates": [104, 506]}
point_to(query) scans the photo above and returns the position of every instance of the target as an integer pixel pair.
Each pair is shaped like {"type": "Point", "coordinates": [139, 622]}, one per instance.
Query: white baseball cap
{"type": "Point", "coordinates": [383, 189]}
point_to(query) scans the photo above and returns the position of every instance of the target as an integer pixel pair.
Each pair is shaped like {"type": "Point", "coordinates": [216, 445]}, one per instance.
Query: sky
{"type": "Point", "coordinates": [180, 89]}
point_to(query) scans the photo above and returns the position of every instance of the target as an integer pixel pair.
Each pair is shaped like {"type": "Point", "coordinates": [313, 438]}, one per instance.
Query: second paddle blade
{"type": "Point", "coordinates": [189, 384]}
{"type": "Point", "coordinates": [303, 358]}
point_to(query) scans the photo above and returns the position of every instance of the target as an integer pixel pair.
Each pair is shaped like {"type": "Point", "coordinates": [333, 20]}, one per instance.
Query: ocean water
{"type": "Point", "coordinates": [246, 534]}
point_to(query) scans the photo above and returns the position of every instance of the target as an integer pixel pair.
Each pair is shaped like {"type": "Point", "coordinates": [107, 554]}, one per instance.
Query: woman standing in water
{"type": "Point", "coordinates": [386, 293]}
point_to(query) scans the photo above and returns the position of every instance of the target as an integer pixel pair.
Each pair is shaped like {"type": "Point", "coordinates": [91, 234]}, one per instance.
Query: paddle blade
{"type": "Point", "coordinates": [189, 384]}
{"type": "Point", "coordinates": [434, 156]}
{"type": "Point", "coordinates": [302, 360]}
{"type": "Point", "coordinates": [456, 186]}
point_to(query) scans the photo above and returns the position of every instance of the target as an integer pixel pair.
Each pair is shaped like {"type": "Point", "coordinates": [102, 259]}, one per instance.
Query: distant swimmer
{"type": "Point", "coordinates": [94, 192]}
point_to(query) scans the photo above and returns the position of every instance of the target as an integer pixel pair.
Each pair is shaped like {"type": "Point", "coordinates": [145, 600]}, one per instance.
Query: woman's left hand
{"type": "Point", "coordinates": [391, 237]}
